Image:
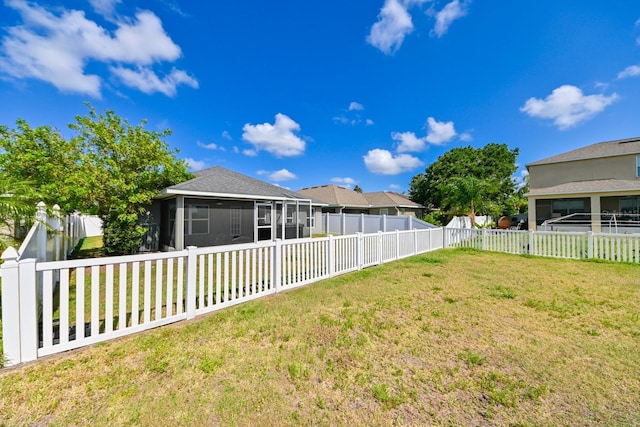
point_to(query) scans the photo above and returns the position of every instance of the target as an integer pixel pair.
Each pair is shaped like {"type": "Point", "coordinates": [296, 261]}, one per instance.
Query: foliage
{"type": "Point", "coordinates": [17, 202]}
{"type": "Point", "coordinates": [357, 189]}
{"type": "Point", "coordinates": [468, 195]}
{"type": "Point", "coordinates": [108, 168]}
{"type": "Point", "coordinates": [436, 218]}
{"type": "Point", "coordinates": [493, 163]}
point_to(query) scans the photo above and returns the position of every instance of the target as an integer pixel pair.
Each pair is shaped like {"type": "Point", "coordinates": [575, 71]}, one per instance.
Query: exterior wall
{"type": "Point", "coordinates": [619, 167]}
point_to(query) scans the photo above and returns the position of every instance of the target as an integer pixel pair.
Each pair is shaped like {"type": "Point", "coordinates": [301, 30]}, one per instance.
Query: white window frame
{"type": "Point", "coordinates": [384, 211]}
{"type": "Point", "coordinates": [188, 219]}
{"type": "Point", "coordinates": [637, 166]}
{"type": "Point", "coordinates": [291, 219]}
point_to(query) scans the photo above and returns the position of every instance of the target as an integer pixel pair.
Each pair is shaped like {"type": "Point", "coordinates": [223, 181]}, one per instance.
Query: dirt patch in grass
{"type": "Point", "coordinates": [448, 338]}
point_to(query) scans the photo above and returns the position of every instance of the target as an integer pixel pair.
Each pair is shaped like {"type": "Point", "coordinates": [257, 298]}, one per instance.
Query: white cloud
{"type": "Point", "coordinates": [146, 81]}
{"type": "Point", "coordinates": [56, 47]}
{"type": "Point", "coordinates": [341, 119]}
{"type": "Point", "coordinates": [278, 176]}
{"type": "Point", "coordinates": [466, 136]}
{"type": "Point", "coordinates": [452, 11]}
{"type": "Point", "coordinates": [408, 142]}
{"type": "Point", "coordinates": [384, 163]}
{"type": "Point", "coordinates": [394, 186]}
{"type": "Point", "coordinates": [104, 7]}
{"type": "Point", "coordinates": [369, 122]}
{"type": "Point", "coordinates": [356, 106]}
{"type": "Point", "coordinates": [227, 135]}
{"type": "Point", "coordinates": [278, 139]}
{"type": "Point", "coordinates": [249, 152]}
{"type": "Point", "coordinates": [394, 23]}
{"type": "Point", "coordinates": [439, 132]}
{"type": "Point", "coordinates": [195, 165]}
{"type": "Point", "coordinates": [347, 182]}
{"type": "Point", "coordinates": [567, 106]}
{"type": "Point", "coordinates": [630, 71]}
{"type": "Point", "coordinates": [210, 146]}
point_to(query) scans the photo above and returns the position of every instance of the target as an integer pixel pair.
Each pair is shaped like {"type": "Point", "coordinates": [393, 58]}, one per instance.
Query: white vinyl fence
{"type": "Point", "coordinates": [575, 245]}
{"type": "Point", "coordinates": [345, 224]}
{"type": "Point", "coordinates": [93, 300]}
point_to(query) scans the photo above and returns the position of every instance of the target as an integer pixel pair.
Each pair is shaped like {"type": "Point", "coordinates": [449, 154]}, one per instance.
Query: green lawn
{"type": "Point", "coordinates": [454, 337]}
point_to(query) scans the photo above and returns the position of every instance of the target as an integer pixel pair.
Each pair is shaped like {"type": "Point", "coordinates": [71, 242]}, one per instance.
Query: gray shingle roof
{"type": "Point", "coordinates": [601, 149]}
{"type": "Point", "coordinates": [336, 195]}
{"type": "Point", "coordinates": [390, 198]}
{"type": "Point", "coordinates": [594, 186]}
{"type": "Point", "coordinates": [218, 181]}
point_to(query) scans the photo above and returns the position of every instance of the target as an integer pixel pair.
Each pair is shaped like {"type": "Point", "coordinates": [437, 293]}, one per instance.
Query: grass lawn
{"type": "Point", "coordinates": [454, 337]}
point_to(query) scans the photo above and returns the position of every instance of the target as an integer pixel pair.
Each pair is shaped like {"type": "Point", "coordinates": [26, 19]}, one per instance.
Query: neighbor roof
{"type": "Point", "coordinates": [390, 198]}
{"type": "Point", "coordinates": [594, 186]}
{"type": "Point", "coordinates": [601, 149]}
{"type": "Point", "coordinates": [335, 195]}
{"type": "Point", "coordinates": [220, 182]}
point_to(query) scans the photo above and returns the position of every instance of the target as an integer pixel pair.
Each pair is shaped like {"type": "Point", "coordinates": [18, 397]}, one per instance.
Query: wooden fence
{"type": "Point", "coordinates": [92, 300]}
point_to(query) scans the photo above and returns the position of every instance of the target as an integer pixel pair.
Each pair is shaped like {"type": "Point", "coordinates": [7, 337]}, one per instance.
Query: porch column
{"type": "Point", "coordinates": [532, 213]}
{"type": "Point", "coordinates": [179, 225]}
{"type": "Point", "coordinates": [596, 225]}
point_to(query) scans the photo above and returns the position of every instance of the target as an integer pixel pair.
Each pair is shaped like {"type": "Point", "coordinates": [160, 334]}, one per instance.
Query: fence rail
{"type": "Point", "coordinates": [50, 307]}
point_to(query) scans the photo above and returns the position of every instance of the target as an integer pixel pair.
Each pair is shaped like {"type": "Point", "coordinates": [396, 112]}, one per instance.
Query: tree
{"type": "Point", "coordinates": [467, 195]}
{"type": "Point", "coordinates": [16, 203]}
{"type": "Point", "coordinates": [494, 163]}
{"type": "Point", "coordinates": [357, 189]}
{"type": "Point", "coordinates": [109, 168]}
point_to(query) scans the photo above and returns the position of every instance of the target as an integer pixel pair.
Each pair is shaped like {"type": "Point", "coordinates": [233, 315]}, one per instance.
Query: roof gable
{"type": "Point", "coordinates": [618, 147]}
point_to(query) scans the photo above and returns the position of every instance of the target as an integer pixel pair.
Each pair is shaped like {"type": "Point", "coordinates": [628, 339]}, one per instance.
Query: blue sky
{"type": "Point", "coordinates": [303, 93]}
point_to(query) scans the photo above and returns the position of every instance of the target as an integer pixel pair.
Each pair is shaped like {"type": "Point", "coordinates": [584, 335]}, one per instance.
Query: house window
{"type": "Point", "coordinates": [236, 222]}
{"type": "Point", "coordinates": [311, 221]}
{"type": "Point", "coordinates": [638, 166]}
{"type": "Point", "coordinates": [291, 211]}
{"type": "Point", "coordinates": [630, 205]}
{"type": "Point", "coordinates": [384, 211]}
{"type": "Point", "coordinates": [563, 207]}
{"type": "Point", "coordinates": [196, 219]}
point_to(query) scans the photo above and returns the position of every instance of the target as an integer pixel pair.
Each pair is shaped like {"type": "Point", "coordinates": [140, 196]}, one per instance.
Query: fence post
{"type": "Point", "coordinates": [359, 250]}
{"type": "Point", "coordinates": [192, 263]}
{"type": "Point", "coordinates": [277, 265]}
{"type": "Point", "coordinates": [384, 223]}
{"type": "Point", "coordinates": [380, 247]}
{"type": "Point", "coordinates": [415, 241]}
{"type": "Point", "coordinates": [590, 244]}
{"type": "Point", "coordinates": [330, 256]}
{"type": "Point", "coordinates": [343, 225]}
{"type": "Point", "coordinates": [397, 244]}
{"type": "Point", "coordinates": [28, 310]}
{"type": "Point", "coordinates": [484, 239]}
{"type": "Point", "coordinates": [362, 223]}
{"type": "Point", "coordinates": [11, 307]}
{"type": "Point", "coordinates": [410, 222]}
{"type": "Point", "coordinates": [41, 218]}
{"type": "Point", "coordinates": [532, 243]}
{"type": "Point", "coordinates": [445, 243]}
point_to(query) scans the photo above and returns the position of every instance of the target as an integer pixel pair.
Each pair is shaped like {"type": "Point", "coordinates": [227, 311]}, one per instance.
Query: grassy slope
{"type": "Point", "coordinates": [452, 337]}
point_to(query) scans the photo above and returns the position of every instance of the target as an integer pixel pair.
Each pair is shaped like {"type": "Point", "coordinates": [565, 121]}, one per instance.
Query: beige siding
{"type": "Point", "coordinates": [620, 167]}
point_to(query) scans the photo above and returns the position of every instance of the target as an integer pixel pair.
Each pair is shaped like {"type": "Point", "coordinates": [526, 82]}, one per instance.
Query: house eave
{"type": "Point", "coordinates": [168, 192]}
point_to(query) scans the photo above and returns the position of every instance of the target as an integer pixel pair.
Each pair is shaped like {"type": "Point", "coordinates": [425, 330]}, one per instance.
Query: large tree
{"type": "Point", "coordinates": [493, 163]}
{"type": "Point", "coordinates": [108, 167]}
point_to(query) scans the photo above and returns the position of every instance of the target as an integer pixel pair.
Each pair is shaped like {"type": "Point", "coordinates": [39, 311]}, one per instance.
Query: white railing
{"type": "Point", "coordinates": [50, 307]}
{"type": "Point", "coordinates": [575, 245]}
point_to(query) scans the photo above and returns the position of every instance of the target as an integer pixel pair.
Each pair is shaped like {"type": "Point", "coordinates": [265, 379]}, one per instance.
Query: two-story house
{"type": "Point", "coordinates": [602, 178]}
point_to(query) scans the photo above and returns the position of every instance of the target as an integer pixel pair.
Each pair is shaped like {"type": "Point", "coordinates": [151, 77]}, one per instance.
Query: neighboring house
{"type": "Point", "coordinates": [602, 178]}
{"type": "Point", "coordinates": [342, 200]}
{"type": "Point", "coordinates": [220, 207]}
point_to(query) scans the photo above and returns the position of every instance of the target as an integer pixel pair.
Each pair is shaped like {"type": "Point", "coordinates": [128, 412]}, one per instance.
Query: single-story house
{"type": "Point", "coordinates": [338, 199]}
{"type": "Point", "coordinates": [599, 180]}
{"type": "Point", "coordinates": [220, 207]}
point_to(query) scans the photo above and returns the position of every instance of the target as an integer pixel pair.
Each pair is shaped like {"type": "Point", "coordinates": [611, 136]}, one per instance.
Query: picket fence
{"type": "Point", "coordinates": [574, 245]}
{"type": "Point", "coordinates": [87, 301]}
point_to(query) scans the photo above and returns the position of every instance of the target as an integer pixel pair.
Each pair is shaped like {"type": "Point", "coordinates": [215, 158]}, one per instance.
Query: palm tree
{"type": "Point", "coordinates": [468, 194]}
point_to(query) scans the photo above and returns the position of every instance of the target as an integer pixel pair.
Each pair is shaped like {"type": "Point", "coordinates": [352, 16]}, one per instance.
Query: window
{"type": "Point", "coordinates": [638, 166]}
{"type": "Point", "coordinates": [236, 221]}
{"type": "Point", "coordinates": [291, 212]}
{"type": "Point", "coordinates": [630, 205]}
{"type": "Point", "coordinates": [384, 211]}
{"type": "Point", "coordinates": [565, 207]}
{"type": "Point", "coordinates": [196, 219]}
